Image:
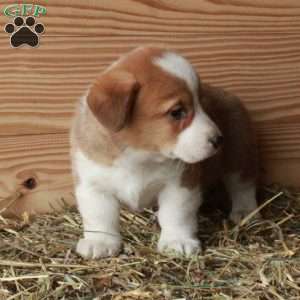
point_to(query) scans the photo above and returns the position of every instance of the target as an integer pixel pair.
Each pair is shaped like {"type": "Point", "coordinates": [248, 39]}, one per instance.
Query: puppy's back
{"type": "Point", "coordinates": [239, 154]}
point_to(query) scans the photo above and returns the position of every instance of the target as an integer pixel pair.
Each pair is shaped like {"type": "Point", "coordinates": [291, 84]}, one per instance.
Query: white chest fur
{"type": "Point", "coordinates": [134, 179]}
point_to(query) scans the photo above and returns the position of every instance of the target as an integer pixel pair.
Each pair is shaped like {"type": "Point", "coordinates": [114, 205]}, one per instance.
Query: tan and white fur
{"type": "Point", "coordinates": [149, 132]}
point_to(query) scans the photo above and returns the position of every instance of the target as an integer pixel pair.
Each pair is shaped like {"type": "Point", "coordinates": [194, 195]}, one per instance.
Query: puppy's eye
{"type": "Point", "coordinates": [178, 113]}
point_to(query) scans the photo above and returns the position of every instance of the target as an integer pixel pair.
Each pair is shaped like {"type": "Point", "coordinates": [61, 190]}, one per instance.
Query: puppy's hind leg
{"type": "Point", "coordinates": [243, 196]}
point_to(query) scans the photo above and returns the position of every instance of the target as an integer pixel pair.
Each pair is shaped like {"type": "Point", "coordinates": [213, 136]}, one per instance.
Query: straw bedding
{"type": "Point", "coordinates": [259, 259]}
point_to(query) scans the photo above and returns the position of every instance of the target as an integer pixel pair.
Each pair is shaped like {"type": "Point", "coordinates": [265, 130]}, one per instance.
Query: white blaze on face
{"type": "Point", "coordinates": [193, 142]}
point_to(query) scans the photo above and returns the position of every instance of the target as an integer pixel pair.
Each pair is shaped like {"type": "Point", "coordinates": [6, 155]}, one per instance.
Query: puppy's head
{"type": "Point", "coordinates": [150, 100]}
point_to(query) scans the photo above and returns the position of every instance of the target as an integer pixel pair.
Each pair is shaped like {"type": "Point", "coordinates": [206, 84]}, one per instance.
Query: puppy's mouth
{"type": "Point", "coordinates": [192, 158]}
{"type": "Point", "coordinates": [195, 160]}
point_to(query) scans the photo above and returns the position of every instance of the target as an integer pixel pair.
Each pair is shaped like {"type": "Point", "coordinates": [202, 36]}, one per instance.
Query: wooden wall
{"type": "Point", "coordinates": [250, 47]}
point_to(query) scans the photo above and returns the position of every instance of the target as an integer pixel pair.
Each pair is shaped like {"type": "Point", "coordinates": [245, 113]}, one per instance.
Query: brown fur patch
{"type": "Point", "coordinates": [239, 152]}
{"type": "Point", "coordinates": [112, 98]}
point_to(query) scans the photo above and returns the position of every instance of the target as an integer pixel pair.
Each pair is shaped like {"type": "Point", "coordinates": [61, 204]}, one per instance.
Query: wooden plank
{"type": "Point", "coordinates": [250, 47]}
{"type": "Point", "coordinates": [38, 167]}
{"type": "Point", "coordinates": [45, 159]}
{"type": "Point", "coordinates": [40, 86]}
{"type": "Point", "coordinates": [284, 172]}
{"type": "Point", "coordinates": [279, 141]}
{"type": "Point", "coordinates": [280, 153]}
{"type": "Point", "coordinates": [168, 17]}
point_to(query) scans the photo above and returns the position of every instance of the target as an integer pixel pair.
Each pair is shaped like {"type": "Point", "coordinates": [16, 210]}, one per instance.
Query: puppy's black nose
{"type": "Point", "coordinates": [217, 141]}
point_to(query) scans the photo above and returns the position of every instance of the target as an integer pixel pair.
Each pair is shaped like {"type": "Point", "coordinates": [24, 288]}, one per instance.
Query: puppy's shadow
{"type": "Point", "coordinates": [214, 211]}
{"type": "Point", "coordinates": [216, 199]}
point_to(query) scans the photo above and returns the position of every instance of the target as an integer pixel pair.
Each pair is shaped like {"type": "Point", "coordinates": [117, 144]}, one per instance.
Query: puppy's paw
{"type": "Point", "coordinates": [89, 248]}
{"type": "Point", "coordinates": [237, 215]}
{"type": "Point", "coordinates": [185, 246]}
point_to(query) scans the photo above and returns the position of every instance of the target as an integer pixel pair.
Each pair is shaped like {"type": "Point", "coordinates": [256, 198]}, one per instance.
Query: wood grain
{"type": "Point", "coordinates": [40, 86]}
{"type": "Point", "coordinates": [42, 158]}
{"type": "Point", "coordinates": [250, 47]}
{"type": "Point", "coordinates": [168, 17]}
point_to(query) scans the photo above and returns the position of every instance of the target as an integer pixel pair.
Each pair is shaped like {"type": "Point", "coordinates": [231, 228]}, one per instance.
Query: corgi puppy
{"type": "Point", "coordinates": [148, 131]}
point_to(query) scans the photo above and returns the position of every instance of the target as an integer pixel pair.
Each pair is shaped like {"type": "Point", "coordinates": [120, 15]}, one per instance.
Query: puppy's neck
{"type": "Point", "coordinates": [133, 158]}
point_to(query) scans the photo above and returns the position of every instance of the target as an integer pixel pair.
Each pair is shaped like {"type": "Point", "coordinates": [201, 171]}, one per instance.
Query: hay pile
{"type": "Point", "coordinates": [257, 260]}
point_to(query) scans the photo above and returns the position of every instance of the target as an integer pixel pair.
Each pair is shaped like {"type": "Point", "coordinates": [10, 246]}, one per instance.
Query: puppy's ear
{"type": "Point", "coordinates": [112, 97]}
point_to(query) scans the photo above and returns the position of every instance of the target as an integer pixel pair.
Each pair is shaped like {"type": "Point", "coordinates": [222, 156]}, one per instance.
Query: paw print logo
{"type": "Point", "coordinates": [24, 32]}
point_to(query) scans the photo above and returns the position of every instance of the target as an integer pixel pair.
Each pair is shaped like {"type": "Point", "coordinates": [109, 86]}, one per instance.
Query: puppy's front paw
{"type": "Point", "coordinates": [89, 248]}
{"type": "Point", "coordinates": [186, 246]}
{"type": "Point", "coordinates": [237, 215]}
